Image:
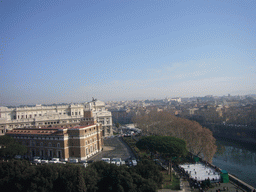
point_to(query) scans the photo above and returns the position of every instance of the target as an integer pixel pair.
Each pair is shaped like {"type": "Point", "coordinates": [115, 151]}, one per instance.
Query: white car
{"type": "Point", "coordinates": [54, 160]}
{"type": "Point", "coordinates": [60, 162]}
{"type": "Point", "coordinates": [107, 160]}
{"type": "Point", "coordinates": [44, 161]}
{"type": "Point", "coordinates": [122, 162]}
{"type": "Point", "coordinates": [134, 162]}
{"type": "Point", "coordinates": [36, 160]}
{"type": "Point", "coordinates": [73, 160]}
{"type": "Point", "coordinates": [118, 163]}
{"type": "Point", "coordinates": [117, 159]}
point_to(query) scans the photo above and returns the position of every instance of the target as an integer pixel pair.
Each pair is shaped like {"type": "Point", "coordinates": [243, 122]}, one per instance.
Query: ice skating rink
{"type": "Point", "coordinates": [201, 172]}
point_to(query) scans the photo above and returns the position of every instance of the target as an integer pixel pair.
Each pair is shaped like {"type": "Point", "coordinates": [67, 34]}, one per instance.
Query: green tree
{"type": "Point", "coordinates": [199, 140]}
{"type": "Point", "coordinates": [149, 170]}
{"type": "Point", "coordinates": [10, 147]}
{"type": "Point", "coordinates": [167, 146]}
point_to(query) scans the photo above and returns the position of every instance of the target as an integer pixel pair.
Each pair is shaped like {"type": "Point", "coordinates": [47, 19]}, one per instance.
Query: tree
{"type": "Point", "coordinates": [167, 146]}
{"type": "Point", "coordinates": [199, 140]}
{"type": "Point", "coordinates": [10, 147]}
{"type": "Point", "coordinates": [148, 170]}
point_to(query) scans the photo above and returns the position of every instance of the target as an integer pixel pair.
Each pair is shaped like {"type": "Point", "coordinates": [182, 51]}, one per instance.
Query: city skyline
{"type": "Point", "coordinates": [63, 52]}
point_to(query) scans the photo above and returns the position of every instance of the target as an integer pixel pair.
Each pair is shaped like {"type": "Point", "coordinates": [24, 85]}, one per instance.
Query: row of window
{"type": "Point", "coordinates": [35, 115]}
{"type": "Point", "coordinates": [28, 137]}
{"type": "Point", "coordinates": [90, 141]}
{"type": "Point", "coordinates": [48, 153]}
{"type": "Point", "coordinates": [91, 149]}
{"type": "Point", "coordinates": [33, 143]}
{"type": "Point", "coordinates": [76, 113]}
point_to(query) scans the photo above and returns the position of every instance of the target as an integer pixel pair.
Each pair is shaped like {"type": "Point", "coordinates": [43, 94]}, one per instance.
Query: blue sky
{"type": "Point", "coordinates": [71, 51]}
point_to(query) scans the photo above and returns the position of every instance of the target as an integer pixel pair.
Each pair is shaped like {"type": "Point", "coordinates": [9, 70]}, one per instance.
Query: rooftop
{"type": "Point", "coordinates": [43, 130]}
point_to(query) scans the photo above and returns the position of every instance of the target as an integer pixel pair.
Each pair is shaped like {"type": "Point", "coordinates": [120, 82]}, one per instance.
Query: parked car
{"type": "Point", "coordinates": [73, 160]}
{"type": "Point", "coordinates": [107, 160]}
{"type": "Point", "coordinates": [122, 162]}
{"type": "Point", "coordinates": [44, 161]}
{"type": "Point", "coordinates": [62, 162]}
{"type": "Point", "coordinates": [117, 159]}
{"type": "Point", "coordinates": [118, 163]}
{"type": "Point", "coordinates": [134, 162]}
{"type": "Point", "coordinates": [36, 159]}
{"type": "Point", "coordinates": [17, 157]}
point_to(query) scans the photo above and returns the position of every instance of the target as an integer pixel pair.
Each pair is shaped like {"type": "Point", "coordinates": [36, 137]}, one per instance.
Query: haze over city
{"type": "Point", "coordinates": [70, 51]}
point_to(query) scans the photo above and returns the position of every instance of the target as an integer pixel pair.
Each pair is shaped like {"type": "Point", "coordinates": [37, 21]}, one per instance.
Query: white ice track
{"type": "Point", "coordinates": [201, 172]}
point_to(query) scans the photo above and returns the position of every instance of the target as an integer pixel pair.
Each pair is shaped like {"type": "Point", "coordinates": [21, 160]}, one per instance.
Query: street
{"type": "Point", "coordinates": [113, 147]}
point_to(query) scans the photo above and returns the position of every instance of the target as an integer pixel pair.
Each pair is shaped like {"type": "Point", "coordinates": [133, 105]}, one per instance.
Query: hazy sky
{"type": "Point", "coordinates": [71, 51]}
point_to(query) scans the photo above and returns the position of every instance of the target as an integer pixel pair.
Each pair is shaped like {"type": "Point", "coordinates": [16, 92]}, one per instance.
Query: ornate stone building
{"type": "Point", "coordinates": [102, 115]}
{"type": "Point", "coordinates": [66, 143]}
{"type": "Point", "coordinates": [54, 115]}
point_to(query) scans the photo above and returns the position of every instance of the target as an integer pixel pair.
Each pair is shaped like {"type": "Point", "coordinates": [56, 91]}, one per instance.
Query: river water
{"type": "Point", "coordinates": [238, 160]}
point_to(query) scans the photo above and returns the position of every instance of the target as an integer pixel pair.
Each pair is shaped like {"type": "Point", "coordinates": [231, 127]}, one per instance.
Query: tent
{"type": "Point", "coordinates": [224, 176]}
{"type": "Point", "coordinates": [196, 159]}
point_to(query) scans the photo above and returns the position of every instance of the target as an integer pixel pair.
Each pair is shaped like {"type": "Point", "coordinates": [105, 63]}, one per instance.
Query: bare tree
{"type": "Point", "coordinates": [199, 140]}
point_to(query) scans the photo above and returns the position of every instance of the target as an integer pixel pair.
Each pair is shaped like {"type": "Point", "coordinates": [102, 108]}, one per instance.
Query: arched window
{"type": "Point", "coordinates": [32, 143]}
{"type": "Point", "coordinates": [50, 144]}
{"type": "Point", "coordinates": [58, 144]}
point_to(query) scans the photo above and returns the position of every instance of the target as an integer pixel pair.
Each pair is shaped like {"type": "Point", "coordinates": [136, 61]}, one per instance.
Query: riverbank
{"type": "Point", "coordinates": [245, 142]}
{"type": "Point", "coordinates": [238, 159]}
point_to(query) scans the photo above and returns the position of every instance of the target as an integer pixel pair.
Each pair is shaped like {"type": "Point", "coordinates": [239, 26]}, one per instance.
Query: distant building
{"type": "Point", "coordinates": [192, 110]}
{"type": "Point", "coordinates": [122, 116]}
{"type": "Point", "coordinates": [177, 99]}
{"type": "Point", "coordinates": [78, 142]}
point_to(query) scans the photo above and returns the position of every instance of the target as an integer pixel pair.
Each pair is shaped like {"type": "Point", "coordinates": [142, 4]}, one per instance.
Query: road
{"type": "Point", "coordinates": [113, 148]}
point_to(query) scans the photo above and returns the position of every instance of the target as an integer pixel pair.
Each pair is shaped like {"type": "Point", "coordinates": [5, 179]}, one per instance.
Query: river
{"type": "Point", "coordinates": [239, 160]}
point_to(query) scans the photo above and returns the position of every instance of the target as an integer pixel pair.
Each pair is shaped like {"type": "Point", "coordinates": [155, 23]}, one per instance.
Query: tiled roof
{"type": "Point", "coordinates": [42, 131]}
{"type": "Point", "coordinates": [32, 132]}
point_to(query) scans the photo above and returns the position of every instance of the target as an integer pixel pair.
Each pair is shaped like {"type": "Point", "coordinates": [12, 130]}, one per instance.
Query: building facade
{"type": "Point", "coordinates": [79, 142]}
{"type": "Point", "coordinates": [55, 115]}
{"type": "Point", "coordinates": [102, 115]}
{"type": "Point", "coordinates": [39, 115]}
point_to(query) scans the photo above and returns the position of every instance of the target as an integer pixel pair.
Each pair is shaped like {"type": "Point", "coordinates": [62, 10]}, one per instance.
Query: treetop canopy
{"type": "Point", "coordinates": [166, 145]}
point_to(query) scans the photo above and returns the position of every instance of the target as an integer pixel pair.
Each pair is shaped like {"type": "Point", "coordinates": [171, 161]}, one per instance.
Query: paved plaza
{"type": "Point", "coordinates": [113, 147]}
